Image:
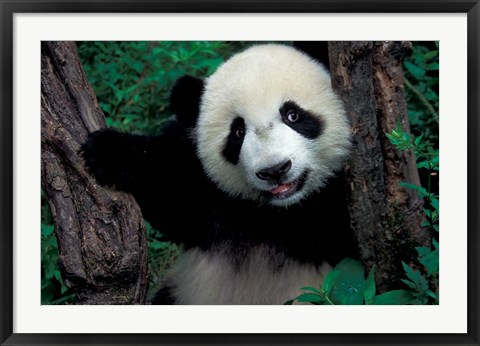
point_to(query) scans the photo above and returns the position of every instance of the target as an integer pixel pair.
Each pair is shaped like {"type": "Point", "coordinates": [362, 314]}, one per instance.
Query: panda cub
{"type": "Point", "coordinates": [245, 178]}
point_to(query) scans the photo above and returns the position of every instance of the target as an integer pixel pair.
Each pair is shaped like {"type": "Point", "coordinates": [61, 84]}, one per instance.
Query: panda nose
{"type": "Point", "coordinates": [275, 173]}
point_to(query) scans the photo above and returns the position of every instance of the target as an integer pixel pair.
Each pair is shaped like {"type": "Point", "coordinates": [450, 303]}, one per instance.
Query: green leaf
{"type": "Point", "coordinates": [429, 259]}
{"type": "Point", "coordinates": [370, 289]}
{"type": "Point", "coordinates": [110, 122]}
{"type": "Point", "coordinates": [57, 275]}
{"type": "Point", "coordinates": [434, 202]}
{"type": "Point", "coordinates": [310, 298]}
{"type": "Point", "coordinates": [350, 283]}
{"type": "Point", "coordinates": [423, 164]}
{"type": "Point", "coordinates": [425, 224]}
{"type": "Point", "coordinates": [289, 302]}
{"type": "Point", "coordinates": [418, 140]}
{"type": "Point", "coordinates": [329, 281]}
{"type": "Point", "coordinates": [391, 136]}
{"type": "Point", "coordinates": [210, 64]}
{"type": "Point", "coordinates": [106, 107]}
{"type": "Point", "coordinates": [413, 275]}
{"type": "Point", "coordinates": [410, 284]}
{"type": "Point", "coordinates": [422, 250]}
{"type": "Point", "coordinates": [313, 289]}
{"type": "Point", "coordinates": [138, 66]}
{"type": "Point", "coordinates": [47, 296]}
{"type": "Point", "coordinates": [158, 245]}
{"type": "Point", "coordinates": [63, 289]}
{"type": "Point", "coordinates": [396, 297]}
{"type": "Point", "coordinates": [431, 54]}
{"type": "Point", "coordinates": [422, 192]}
{"type": "Point", "coordinates": [416, 280]}
{"type": "Point", "coordinates": [423, 284]}
{"type": "Point", "coordinates": [47, 230]}
{"type": "Point", "coordinates": [415, 70]}
{"type": "Point", "coordinates": [432, 294]}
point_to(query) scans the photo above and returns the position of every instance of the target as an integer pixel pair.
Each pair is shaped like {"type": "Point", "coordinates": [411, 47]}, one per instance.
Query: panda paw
{"type": "Point", "coordinates": [108, 157]}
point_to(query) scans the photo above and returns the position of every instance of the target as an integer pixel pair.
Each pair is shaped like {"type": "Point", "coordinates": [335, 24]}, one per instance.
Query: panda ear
{"type": "Point", "coordinates": [317, 50]}
{"type": "Point", "coordinates": [185, 100]}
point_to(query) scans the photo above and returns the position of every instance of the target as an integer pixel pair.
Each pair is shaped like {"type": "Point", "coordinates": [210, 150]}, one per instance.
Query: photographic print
{"type": "Point", "coordinates": [240, 172]}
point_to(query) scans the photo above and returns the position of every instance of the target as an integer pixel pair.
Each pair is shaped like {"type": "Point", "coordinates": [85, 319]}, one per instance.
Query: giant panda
{"type": "Point", "coordinates": [247, 178]}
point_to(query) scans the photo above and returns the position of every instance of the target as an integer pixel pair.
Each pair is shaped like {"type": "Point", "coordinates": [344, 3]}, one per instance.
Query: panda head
{"type": "Point", "coordinates": [267, 125]}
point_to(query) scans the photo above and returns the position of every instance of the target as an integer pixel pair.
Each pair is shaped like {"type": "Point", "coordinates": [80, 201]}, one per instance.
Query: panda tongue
{"type": "Point", "coordinates": [281, 188]}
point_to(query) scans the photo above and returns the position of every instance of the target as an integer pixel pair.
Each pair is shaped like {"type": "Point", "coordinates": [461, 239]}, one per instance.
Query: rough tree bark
{"type": "Point", "coordinates": [385, 217]}
{"type": "Point", "coordinates": [101, 235]}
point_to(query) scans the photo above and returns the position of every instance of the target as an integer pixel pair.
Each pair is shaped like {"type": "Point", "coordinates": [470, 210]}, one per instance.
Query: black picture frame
{"type": "Point", "coordinates": [10, 7]}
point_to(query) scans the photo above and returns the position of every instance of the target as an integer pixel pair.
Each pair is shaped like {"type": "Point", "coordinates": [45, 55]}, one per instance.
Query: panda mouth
{"type": "Point", "coordinates": [286, 190]}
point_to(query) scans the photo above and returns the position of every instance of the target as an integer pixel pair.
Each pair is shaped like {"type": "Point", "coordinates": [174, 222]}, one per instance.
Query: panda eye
{"type": "Point", "coordinates": [292, 116]}
{"type": "Point", "coordinates": [239, 133]}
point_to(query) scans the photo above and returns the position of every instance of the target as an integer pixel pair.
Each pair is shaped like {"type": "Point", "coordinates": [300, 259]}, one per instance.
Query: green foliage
{"type": "Point", "coordinates": [395, 297]}
{"type": "Point", "coordinates": [426, 159]}
{"type": "Point", "coordinates": [133, 80]}
{"type": "Point", "coordinates": [346, 285]}
{"type": "Point", "coordinates": [428, 257]}
{"type": "Point", "coordinates": [349, 286]}
{"type": "Point", "coordinates": [419, 285]}
{"type": "Point", "coordinates": [424, 286]}
{"type": "Point", "coordinates": [370, 289]}
{"type": "Point", "coordinates": [426, 156]}
{"type": "Point", "coordinates": [421, 89]}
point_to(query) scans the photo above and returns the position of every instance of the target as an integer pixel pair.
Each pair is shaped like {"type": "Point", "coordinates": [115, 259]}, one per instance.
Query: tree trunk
{"type": "Point", "coordinates": [385, 217]}
{"type": "Point", "coordinates": [101, 235]}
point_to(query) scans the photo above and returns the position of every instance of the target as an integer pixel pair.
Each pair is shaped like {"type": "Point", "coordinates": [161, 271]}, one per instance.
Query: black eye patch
{"type": "Point", "coordinates": [306, 123]}
{"type": "Point", "coordinates": [234, 141]}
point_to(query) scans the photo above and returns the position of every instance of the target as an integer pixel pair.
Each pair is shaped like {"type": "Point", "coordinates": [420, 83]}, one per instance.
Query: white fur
{"type": "Point", "coordinates": [254, 85]}
{"type": "Point", "coordinates": [263, 277]}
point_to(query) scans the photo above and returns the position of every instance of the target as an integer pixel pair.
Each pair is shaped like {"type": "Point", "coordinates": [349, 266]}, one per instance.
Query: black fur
{"type": "Point", "coordinates": [161, 172]}
{"type": "Point", "coordinates": [313, 231]}
{"type": "Point", "coordinates": [185, 100]}
{"type": "Point", "coordinates": [307, 125]}
{"type": "Point", "coordinates": [318, 50]}
{"type": "Point", "coordinates": [176, 197]}
{"type": "Point", "coordinates": [233, 142]}
{"type": "Point", "coordinates": [164, 297]}
{"type": "Point", "coordinates": [108, 152]}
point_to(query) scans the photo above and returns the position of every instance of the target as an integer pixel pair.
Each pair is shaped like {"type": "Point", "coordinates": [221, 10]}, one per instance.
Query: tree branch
{"type": "Point", "coordinates": [101, 235]}
{"type": "Point", "coordinates": [385, 217]}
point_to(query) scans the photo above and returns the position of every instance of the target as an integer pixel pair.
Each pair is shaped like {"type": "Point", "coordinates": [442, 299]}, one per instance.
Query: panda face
{"type": "Point", "coordinates": [270, 127]}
